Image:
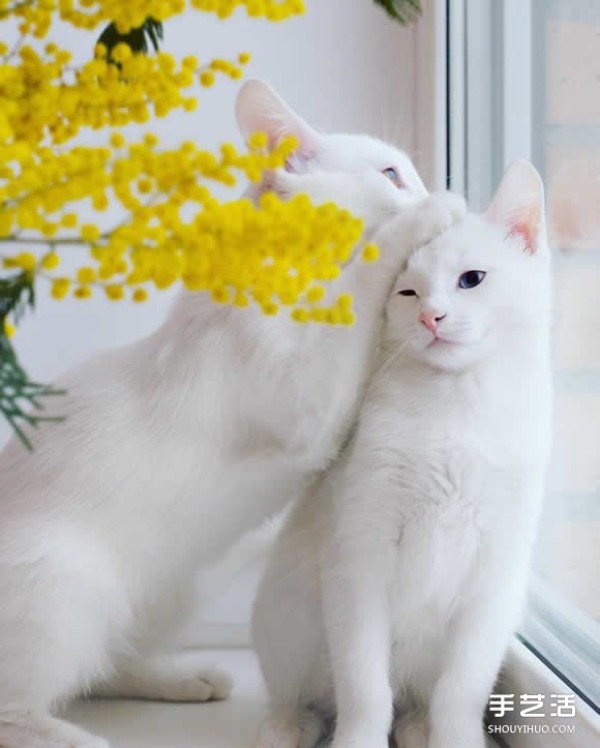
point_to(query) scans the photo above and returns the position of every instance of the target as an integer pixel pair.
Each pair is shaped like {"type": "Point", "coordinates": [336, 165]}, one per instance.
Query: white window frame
{"type": "Point", "coordinates": [484, 137]}
{"type": "Point", "coordinates": [525, 673]}
{"type": "Point", "coordinates": [430, 76]}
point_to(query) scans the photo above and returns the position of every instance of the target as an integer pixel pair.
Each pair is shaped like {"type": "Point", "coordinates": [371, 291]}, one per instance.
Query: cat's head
{"type": "Point", "coordinates": [481, 287]}
{"type": "Point", "coordinates": [260, 109]}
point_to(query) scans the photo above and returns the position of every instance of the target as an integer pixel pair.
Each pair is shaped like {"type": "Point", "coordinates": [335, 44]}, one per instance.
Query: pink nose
{"type": "Point", "coordinates": [430, 320]}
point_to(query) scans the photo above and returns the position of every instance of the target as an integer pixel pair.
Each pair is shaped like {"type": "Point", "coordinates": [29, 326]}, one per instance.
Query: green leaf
{"type": "Point", "coordinates": [136, 39]}
{"type": "Point", "coordinates": [20, 398]}
{"type": "Point", "coordinates": [16, 294]}
{"type": "Point", "coordinates": [404, 11]}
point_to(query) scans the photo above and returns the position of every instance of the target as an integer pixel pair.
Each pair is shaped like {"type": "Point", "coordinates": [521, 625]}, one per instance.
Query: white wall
{"type": "Point", "coordinates": [344, 66]}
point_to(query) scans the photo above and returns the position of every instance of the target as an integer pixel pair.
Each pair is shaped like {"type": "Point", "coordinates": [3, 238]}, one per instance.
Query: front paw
{"type": "Point", "coordinates": [457, 735]}
{"type": "Point", "coordinates": [411, 734]}
{"type": "Point", "coordinates": [361, 739]}
{"type": "Point", "coordinates": [436, 214]}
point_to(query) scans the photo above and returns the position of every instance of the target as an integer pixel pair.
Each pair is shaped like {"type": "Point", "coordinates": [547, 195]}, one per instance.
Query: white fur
{"type": "Point", "coordinates": [173, 448]}
{"type": "Point", "coordinates": [396, 583]}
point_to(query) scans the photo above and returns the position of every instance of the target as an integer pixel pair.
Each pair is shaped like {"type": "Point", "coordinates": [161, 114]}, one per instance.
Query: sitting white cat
{"type": "Point", "coordinates": [172, 449]}
{"type": "Point", "coordinates": [395, 585]}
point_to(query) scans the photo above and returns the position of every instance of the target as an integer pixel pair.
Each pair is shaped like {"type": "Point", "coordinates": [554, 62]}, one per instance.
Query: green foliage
{"type": "Point", "coordinates": [16, 294]}
{"type": "Point", "coordinates": [404, 11]}
{"type": "Point", "coordinates": [152, 32]}
{"type": "Point", "coordinates": [137, 39]}
{"type": "Point", "coordinates": [20, 398]}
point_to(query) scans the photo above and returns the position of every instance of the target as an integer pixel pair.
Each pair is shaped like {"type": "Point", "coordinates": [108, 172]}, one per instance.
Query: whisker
{"type": "Point", "coordinates": [390, 357]}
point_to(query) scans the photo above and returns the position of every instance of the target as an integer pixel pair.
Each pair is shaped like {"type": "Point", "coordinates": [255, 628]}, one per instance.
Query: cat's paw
{"type": "Point", "coordinates": [288, 728]}
{"type": "Point", "coordinates": [360, 742]}
{"type": "Point", "coordinates": [279, 730]}
{"type": "Point", "coordinates": [452, 206]}
{"type": "Point", "coordinates": [167, 678]}
{"type": "Point", "coordinates": [436, 214]}
{"type": "Point", "coordinates": [205, 684]}
{"type": "Point", "coordinates": [444, 735]}
{"type": "Point", "coordinates": [361, 737]}
{"type": "Point", "coordinates": [412, 734]}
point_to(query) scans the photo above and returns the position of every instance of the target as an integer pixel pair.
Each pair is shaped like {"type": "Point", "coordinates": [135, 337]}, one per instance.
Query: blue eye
{"type": "Point", "coordinates": [471, 278]}
{"type": "Point", "coordinates": [392, 174]}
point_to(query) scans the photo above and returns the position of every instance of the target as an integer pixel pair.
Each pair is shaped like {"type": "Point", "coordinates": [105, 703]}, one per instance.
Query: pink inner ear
{"type": "Point", "coordinates": [527, 228]}
{"type": "Point", "coordinates": [525, 232]}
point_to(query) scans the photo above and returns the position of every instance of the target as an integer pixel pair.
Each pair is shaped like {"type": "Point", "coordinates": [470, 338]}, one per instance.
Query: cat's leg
{"type": "Point", "coordinates": [356, 578]}
{"type": "Point", "coordinates": [166, 678]}
{"type": "Point", "coordinates": [53, 642]}
{"type": "Point", "coordinates": [475, 647]}
{"type": "Point", "coordinates": [287, 727]}
{"type": "Point", "coordinates": [154, 671]}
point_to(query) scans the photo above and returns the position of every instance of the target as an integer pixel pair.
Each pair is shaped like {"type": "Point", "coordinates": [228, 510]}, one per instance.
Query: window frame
{"type": "Point", "coordinates": [483, 140]}
{"type": "Point", "coordinates": [524, 672]}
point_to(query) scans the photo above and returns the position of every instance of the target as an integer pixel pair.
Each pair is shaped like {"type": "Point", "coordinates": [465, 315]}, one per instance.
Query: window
{"type": "Point", "coordinates": [524, 81]}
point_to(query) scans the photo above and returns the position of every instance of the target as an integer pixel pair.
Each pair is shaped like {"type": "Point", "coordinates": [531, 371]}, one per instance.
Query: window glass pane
{"type": "Point", "coordinates": [566, 146]}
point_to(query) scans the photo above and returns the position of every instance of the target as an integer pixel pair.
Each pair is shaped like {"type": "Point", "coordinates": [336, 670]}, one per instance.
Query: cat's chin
{"type": "Point", "coordinates": [449, 356]}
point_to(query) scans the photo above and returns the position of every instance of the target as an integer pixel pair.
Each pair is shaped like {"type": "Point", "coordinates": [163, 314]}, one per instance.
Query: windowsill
{"type": "Point", "coordinates": [524, 673]}
{"type": "Point", "coordinates": [226, 724]}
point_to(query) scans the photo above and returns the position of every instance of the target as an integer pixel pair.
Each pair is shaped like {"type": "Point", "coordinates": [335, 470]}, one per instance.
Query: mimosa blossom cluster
{"type": "Point", "coordinates": [171, 229]}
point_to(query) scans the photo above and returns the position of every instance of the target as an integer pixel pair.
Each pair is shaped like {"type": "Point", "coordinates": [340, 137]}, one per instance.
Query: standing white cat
{"type": "Point", "coordinates": [174, 447]}
{"type": "Point", "coordinates": [397, 582]}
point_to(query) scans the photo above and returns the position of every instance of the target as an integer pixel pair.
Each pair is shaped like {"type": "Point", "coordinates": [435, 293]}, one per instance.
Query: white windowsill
{"type": "Point", "coordinates": [226, 724]}
{"type": "Point", "coordinates": [524, 673]}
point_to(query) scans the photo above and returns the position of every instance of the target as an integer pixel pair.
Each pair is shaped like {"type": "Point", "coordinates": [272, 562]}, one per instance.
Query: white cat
{"type": "Point", "coordinates": [395, 585]}
{"type": "Point", "coordinates": [174, 447]}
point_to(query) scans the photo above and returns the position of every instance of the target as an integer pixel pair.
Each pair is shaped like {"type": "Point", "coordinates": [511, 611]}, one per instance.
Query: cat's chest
{"type": "Point", "coordinates": [444, 508]}
{"type": "Point", "coordinates": [485, 419]}
{"type": "Point", "coordinates": [435, 559]}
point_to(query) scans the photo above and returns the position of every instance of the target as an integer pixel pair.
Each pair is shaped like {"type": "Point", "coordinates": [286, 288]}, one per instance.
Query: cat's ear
{"type": "Point", "coordinates": [518, 206]}
{"type": "Point", "coordinates": [259, 109]}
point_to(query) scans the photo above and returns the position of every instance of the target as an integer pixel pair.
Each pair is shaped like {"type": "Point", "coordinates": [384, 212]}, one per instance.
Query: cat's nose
{"type": "Point", "coordinates": [431, 320]}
